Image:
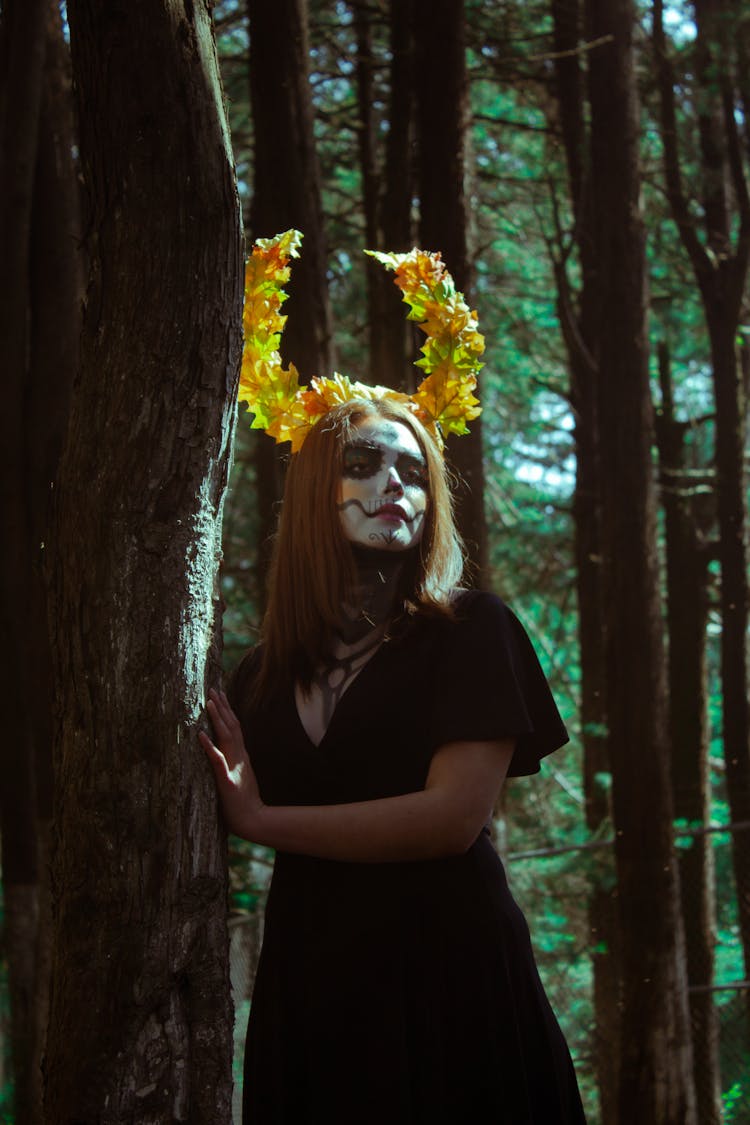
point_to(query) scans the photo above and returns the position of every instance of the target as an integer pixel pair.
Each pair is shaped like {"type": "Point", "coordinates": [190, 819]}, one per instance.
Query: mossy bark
{"type": "Point", "coordinates": [140, 1017]}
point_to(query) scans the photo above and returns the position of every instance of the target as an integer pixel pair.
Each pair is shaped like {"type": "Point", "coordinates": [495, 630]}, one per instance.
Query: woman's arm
{"type": "Point", "coordinates": [442, 819]}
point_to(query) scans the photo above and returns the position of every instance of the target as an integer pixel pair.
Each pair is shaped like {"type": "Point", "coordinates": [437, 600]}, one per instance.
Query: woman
{"type": "Point", "coordinates": [382, 712]}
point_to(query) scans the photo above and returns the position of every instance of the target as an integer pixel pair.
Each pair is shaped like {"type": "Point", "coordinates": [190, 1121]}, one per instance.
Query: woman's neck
{"type": "Point", "coordinates": [372, 600]}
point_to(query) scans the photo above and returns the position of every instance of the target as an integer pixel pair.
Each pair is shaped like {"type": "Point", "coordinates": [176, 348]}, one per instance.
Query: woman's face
{"type": "Point", "coordinates": [383, 494]}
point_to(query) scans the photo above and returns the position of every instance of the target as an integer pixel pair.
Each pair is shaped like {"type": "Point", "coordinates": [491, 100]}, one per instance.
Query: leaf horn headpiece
{"type": "Point", "coordinates": [444, 400]}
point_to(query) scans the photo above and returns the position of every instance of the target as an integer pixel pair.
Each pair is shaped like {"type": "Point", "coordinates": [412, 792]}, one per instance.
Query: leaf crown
{"type": "Point", "coordinates": [444, 401]}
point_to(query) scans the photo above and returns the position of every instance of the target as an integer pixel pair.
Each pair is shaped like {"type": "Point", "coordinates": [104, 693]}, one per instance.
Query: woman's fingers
{"type": "Point", "coordinates": [207, 744]}
{"type": "Point", "coordinates": [227, 729]}
{"type": "Point", "coordinates": [216, 720]}
{"type": "Point", "coordinates": [220, 710]}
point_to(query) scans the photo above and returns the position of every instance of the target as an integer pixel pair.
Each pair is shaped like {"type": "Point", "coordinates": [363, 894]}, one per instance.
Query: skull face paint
{"type": "Point", "coordinates": [384, 488]}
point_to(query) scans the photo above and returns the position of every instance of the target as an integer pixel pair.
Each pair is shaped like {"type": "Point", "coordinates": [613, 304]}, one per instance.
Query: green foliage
{"type": "Point", "coordinates": [249, 874]}
{"type": "Point", "coordinates": [733, 1101]}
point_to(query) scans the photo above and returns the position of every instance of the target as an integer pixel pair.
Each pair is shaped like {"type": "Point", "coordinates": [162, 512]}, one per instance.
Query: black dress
{"type": "Point", "coordinates": [404, 993]}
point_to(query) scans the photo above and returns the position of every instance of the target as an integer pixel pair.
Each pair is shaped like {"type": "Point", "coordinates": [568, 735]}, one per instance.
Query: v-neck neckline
{"type": "Point", "coordinates": [354, 680]}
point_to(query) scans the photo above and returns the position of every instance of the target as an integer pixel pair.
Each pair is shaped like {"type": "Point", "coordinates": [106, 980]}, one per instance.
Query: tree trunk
{"type": "Point", "coordinates": [368, 163]}
{"type": "Point", "coordinates": [580, 329]}
{"type": "Point", "coordinates": [441, 114]}
{"type": "Point", "coordinates": [37, 308]}
{"type": "Point", "coordinates": [22, 74]}
{"type": "Point", "coordinates": [140, 1018]}
{"type": "Point", "coordinates": [687, 616]}
{"type": "Point", "coordinates": [655, 1079]}
{"type": "Point", "coordinates": [723, 290]}
{"type": "Point", "coordinates": [721, 272]}
{"type": "Point", "coordinates": [287, 193]}
{"type": "Point", "coordinates": [730, 494]}
{"type": "Point", "coordinates": [396, 342]}
{"type": "Point", "coordinates": [56, 292]}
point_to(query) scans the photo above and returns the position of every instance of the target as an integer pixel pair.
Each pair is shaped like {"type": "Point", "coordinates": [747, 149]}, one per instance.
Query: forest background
{"type": "Point", "coordinates": [583, 168]}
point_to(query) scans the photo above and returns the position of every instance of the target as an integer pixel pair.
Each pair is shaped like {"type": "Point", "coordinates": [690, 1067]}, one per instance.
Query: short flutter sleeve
{"type": "Point", "coordinates": [490, 685]}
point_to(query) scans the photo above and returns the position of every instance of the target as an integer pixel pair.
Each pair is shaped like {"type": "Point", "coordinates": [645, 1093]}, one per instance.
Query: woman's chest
{"type": "Point", "coordinates": [376, 742]}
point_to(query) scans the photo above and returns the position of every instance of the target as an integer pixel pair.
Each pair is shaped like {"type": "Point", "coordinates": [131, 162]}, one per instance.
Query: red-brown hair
{"type": "Point", "coordinates": [313, 564]}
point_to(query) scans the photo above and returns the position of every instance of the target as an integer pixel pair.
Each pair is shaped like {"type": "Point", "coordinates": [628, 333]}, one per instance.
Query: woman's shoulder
{"type": "Point", "coordinates": [481, 613]}
{"type": "Point", "coordinates": [466, 603]}
{"type": "Point", "coordinates": [469, 619]}
{"type": "Point", "coordinates": [491, 684]}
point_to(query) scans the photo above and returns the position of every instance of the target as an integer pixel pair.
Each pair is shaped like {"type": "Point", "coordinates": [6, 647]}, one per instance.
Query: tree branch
{"type": "Point", "coordinates": [699, 257]}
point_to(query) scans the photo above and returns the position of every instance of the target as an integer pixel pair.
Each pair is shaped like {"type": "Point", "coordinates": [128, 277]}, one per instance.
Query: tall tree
{"type": "Point", "coordinates": [687, 520]}
{"type": "Point", "coordinates": [396, 342]}
{"type": "Point", "coordinates": [387, 187]}
{"type": "Point", "coordinates": [39, 326]}
{"type": "Point", "coordinates": [442, 118]}
{"type": "Point", "coordinates": [140, 1019]}
{"type": "Point", "coordinates": [580, 327]}
{"type": "Point", "coordinates": [286, 193]}
{"type": "Point", "coordinates": [720, 264]}
{"type": "Point", "coordinates": [655, 1079]}
{"type": "Point", "coordinates": [286, 182]}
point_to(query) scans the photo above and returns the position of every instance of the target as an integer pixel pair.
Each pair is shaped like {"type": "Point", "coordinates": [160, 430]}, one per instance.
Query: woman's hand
{"type": "Point", "coordinates": [235, 780]}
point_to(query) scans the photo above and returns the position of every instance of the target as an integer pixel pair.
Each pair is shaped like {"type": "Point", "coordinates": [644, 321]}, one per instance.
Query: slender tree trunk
{"type": "Point", "coordinates": [286, 194]}
{"type": "Point", "coordinates": [140, 1019]}
{"type": "Point", "coordinates": [368, 162]}
{"type": "Point", "coordinates": [387, 200]}
{"type": "Point", "coordinates": [580, 328]}
{"type": "Point", "coordinates": [687, 616]}
{"type": "Point", "coordinates": [397, 343]}
{"type": "Point", "coordinates": [602, 909]}
{"type": "Point", "coordinates": [655, 1079]}
{"type": "Point", "coordinates": [720, 270]}
{"type": "Point", "coordinates": [286, 189]}
{"type": "Point", "coordinates": [442, 109]}
{"type": "Point", "coordinates": [721, 164]}
{"type": "Point", "coordinates": [730, 491]}
{"type": "Point", "coordinates": [388, 214]}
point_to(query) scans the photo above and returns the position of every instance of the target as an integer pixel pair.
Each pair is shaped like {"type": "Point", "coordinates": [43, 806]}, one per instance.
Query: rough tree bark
{"type": "Point", "coordinates": [579, 322]}
{"type": "Point", "coordinates": [140, 1017]}
{"type": "Point", "coordinates": [655, 1078]}
{"type": "Point", "coordinates": [720, 267]}
{"type": "Point", "coordinates": [441, 116]}
{"type": "Point", "coordinates": [687, 518]}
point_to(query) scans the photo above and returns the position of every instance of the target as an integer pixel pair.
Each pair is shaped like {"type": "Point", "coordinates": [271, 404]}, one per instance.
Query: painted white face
{"type": "Point", "coordinates": [384, 486]}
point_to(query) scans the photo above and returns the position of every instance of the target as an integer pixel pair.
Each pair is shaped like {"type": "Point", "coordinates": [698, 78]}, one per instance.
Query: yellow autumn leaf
{"type": "Point", "coordinates": [449, 399]}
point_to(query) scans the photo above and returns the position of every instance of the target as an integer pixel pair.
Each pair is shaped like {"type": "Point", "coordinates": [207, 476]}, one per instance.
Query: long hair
{"type": "Point", "coordinates": [313, 564]}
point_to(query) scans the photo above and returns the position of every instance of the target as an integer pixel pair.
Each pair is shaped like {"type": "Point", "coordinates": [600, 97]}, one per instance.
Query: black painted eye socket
{"type": "Point", "coordinates": [412, 472]}
{"type": "Point", "coordinates": [361, 461]}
